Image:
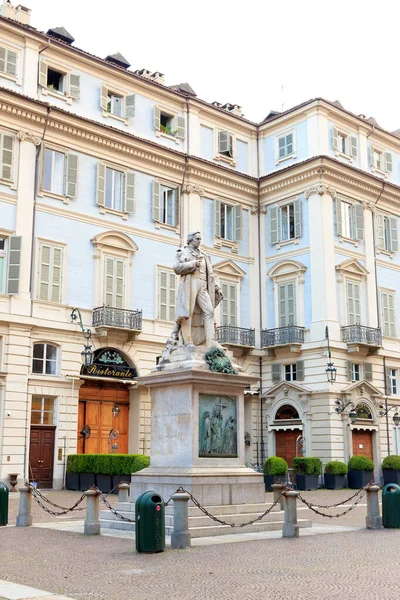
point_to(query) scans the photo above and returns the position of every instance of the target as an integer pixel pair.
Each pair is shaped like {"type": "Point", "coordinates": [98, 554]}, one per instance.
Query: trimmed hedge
{"type": "Point", "coordinates": [275, 466]}
{"type": "Point", "coordinates": [336, 467]}
{"type": "Point", "coordinates": [391, 462]}
{"type": "Point", "coordinates": [307, 465]}
{"type": "Point", "coordinates": [107, 464]}
{"type": "Point", "coordinates": [360, 463]}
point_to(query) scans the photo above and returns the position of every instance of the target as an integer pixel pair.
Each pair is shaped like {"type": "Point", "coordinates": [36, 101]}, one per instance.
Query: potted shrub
{"type": "Point", "coordinates": [307, 470]}
{"type": "Point", "coordinates": [104, 470]}
{"type": "Point", "coordinates": [361, 471]}
{"type": "Point", "coordinates": [275, 471]}
{"type": "Point", "coordinates": [126, 465]}
{"type": "Point", "coordinates": [72, 478]}
{"type": "Point", "coordinates": [102, 467]}
{"type": "Point", "coordinates": [391, 469]}
{"type": "Point", "coordinates": [86, 470]}
{"type": "Point", "coordinates": [334, 475]}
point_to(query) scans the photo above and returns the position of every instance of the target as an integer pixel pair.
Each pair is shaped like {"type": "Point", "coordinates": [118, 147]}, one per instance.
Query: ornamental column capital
{"type": "Point", "coordinates": [320, 189]}
{"type": "Point", "coordinates": [28, 136]}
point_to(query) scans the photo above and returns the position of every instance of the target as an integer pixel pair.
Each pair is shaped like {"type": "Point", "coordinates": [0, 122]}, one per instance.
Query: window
{"type": "Point", "coordinates": [60, 173]}
{"type": "Point", "coordinates": [42, 412]}
{"type": "Point", "coordinates": [169, 124]}
{"type": "Point", "coordinates": [117, 104]}
{"type": "Point", "coordinates": [166, 295]}
{"type": "Point", "coordinates": [353, 303]}
{"type": "Point", "coordinates": [225, 144]}
{"type": "Point", "coordinates": [8, 62]}
{"type": "Point", "coordinates": [114, 287]}
{"type": "Point", "coordinates": [6, 156]}
{"type": "Point", "coordinates": [229, 304]}
{"type": "Point", "coordinates": [356, 372]}
{"type": "Point", "coordinates": [115, 189]}
{"type": "Point", "coordinates": [50, 273]}
{"type": "Point", "coordinates": [44, 359]}
{"type": "Point", "coordinates": [381, 161]}
{"type": "Point", "coordinates": [285, 222]}
{"type": "Point", "coordinates": [228, 221]}
{"type": "Point", "coordinates": [349, 220]}
{"type": "Point", "coordinates": [387, 233]}
{"type": "Point", "coordinates": [287, 411]}
{"type": "Point", "coordinates": [363, 411]}
{"type": "Point", "coordinates": [3, 256]}
{"type": "Point", "coordinates": [114, 104]}
{"type": "Point", "coordinates": [393, 380]}
{"type": "Point", "coordinates": [57, 82]}
{"type": "Point", "coordinates": [287, 304]}
{"type": "Point", "coordinates": [165, 204]}
{"type": "Point", "coordinates": [388, 314]}
{"type": "Point", "coordinates": [285, 146]}
{"type": "Point", "coordinates": [343, 143]}
{"type": "Point", "coordinates": [359, 371]}
{"type": "Point", "coordinates": [290, 372]}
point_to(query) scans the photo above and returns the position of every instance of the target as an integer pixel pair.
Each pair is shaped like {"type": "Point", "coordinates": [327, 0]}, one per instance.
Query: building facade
{"type": "Point", "coordinates": [103, 173]}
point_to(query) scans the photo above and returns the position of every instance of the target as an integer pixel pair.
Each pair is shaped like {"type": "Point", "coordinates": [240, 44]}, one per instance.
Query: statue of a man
{"type": "Point", "coordinates": [198, 294]}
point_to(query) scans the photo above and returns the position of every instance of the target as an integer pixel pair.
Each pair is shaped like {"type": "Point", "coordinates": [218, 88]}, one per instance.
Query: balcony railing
{"type": "Point", "coordinates": [358, 334]}
{"type": "Point", "coordinates": [282, 336]}
{"type": "Point", "coordinates": [108, 316]}
{"type": "Point", "coordinates": [236, 336]}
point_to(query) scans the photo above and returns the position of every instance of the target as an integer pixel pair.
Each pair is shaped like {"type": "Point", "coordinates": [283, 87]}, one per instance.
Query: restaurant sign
{"type": "Point", "coordinates": [108, 362]}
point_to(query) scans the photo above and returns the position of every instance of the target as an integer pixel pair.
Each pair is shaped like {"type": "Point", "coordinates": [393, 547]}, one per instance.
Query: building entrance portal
{"type": "Point", "coordinates": [362, 443]}
{"type": "Point", "coordinates": [286, 444]}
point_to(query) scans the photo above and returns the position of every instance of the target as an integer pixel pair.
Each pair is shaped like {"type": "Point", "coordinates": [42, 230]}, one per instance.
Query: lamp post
{"type": "Point", "coordinates": [86, 354]}
{"type": "Point", "coordinates": [330, 368]}
{"type": "Point", "coordinates": [341, 405]}
{"type": "Point", "coordinates": [384, 412]}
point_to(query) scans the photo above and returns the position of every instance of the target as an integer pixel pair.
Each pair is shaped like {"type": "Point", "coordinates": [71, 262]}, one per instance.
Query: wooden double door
{"type": "Point", "coordinates": [41, 455]}
{"type": "Point", "coordinates": [362, 443]}
{"type": "Point", "coordinates": [285, 441]}
{"type": "Point", "coordinates": [96, 401]}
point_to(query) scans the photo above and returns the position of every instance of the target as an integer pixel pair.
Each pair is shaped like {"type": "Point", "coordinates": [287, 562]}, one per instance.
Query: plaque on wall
{"type": "Point", "coordinates": [217, 426]}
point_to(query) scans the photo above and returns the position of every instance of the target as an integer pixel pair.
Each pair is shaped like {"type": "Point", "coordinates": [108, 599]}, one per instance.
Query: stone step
{"type": "Point", "coordinates": [197, 532]}
{"type": "Point", "coordinates": [231, 509]}
{"type": "Point", "coordinates": [204, 521]}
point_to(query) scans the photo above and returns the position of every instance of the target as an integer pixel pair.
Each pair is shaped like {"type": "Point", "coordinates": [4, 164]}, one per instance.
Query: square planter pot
{"type": "Point", "coordinates": [358, 479]}
{"type": "Point", "coordinates": [271, 479]}
{"type": "Point", "coordinates": [104, 483]}
{"type": "Point", "coordinates": [334, 482]}
{"type": "Point", "coordinates": [72, 481]}
{"type": "Point", "coordinates": [117, 479]}
{"type": "Point", "coordinates": [391, 476]}
{"type": "Point", "coordinates": [306, 482]}
{"type": "Point", "coordinates": [87, 480]}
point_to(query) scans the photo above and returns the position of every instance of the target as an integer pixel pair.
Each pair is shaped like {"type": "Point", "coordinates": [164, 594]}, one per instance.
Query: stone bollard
{"type": "Point", "coordinates": [373, 519]}
{"type": "Point", "coordinates": [92, 523]}
{"type": "Point", "coordinates": [290, 526]}
{"type": "Point", "coordinates": [24, 518]}
{"type": "Point", "coordinates": [123, 492]}
{"type": "Point", "coordinates": [180, 537]}
{"type": "Point", "coordinates": [277, 488]}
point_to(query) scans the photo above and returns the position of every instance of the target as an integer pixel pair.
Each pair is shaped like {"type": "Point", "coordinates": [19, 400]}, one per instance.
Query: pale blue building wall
{"type": "Point", "coordinates": [242, 156]}
{"type": "Point", "coordinates": [269, 145]}
{"type": "Point", "coordinates": [206, 142]}
{"type": "Point", "coordinates": [389, 279]}
{"type": "Point", "coordinates": [7, 215]}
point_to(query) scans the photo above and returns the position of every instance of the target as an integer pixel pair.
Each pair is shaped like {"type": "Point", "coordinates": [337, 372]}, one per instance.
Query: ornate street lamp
{"type": "Point", "coordinates": [116, 410]}
{"type": "Point", "coordinates": [385, 409]}
{"type": "Point", "coordinates": [87, 353]}
{"type": "Point", "coordinates": [330, 369]}
{"type": "Point", "coordinates": [341, 405]}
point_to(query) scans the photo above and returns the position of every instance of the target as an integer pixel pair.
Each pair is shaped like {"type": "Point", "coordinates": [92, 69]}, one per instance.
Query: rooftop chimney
{"type": "Point", "coordinates": [118, 59]}
{"type": "Point", "coordinates": [60, 33]}
{"type": "Point", "coordinates": [17, 13]}
{"type": "Point", "coordinates": [158, 77]}
{"type": "Point", "coordinates": [235, 109]}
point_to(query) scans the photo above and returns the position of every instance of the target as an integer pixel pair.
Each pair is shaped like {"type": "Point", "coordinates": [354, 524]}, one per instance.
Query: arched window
{"type": "Point", "coordinates": [44, 359]}
{"type": "Point", "coordinates": [287, 411]}
{"type": "Point", "coordinates": [363, 411]}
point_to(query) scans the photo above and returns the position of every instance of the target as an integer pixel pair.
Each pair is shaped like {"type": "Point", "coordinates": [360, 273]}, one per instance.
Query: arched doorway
{"type": "Point", "coordinates": [362, 440]}
{"type": "Point", "coordinates": [285, 438]}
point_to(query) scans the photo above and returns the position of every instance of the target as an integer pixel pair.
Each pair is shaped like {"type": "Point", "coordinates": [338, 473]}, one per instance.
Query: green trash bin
{"type": "Point", "coordinates": [150, 523]}
{"type": "Point", "coordinates": [3, 504]}
{"type": "Point", "coordinates": [391, 506]}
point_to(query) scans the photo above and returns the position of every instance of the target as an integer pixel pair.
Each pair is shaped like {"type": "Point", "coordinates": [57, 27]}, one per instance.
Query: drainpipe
{"type": "Point", "coordinates": [262, 446]}
{"type": "Point", "coordinates": [386, 406]}
{"type": "Point", "coordinates": [184, 174]}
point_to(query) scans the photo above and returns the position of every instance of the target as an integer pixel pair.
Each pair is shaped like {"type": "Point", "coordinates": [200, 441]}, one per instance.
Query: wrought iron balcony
{"type": "Point", "coordinates": [236, 336]}
{"type": "Point", "coordinates": [282, 336]}
{"type": "Point", "coordinates": [110, 317]}
{"type": "Point", "coordinates": [358, 334]}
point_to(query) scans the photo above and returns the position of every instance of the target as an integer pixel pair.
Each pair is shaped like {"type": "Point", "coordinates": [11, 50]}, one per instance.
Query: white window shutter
{"type": "Point", "coordinates": [238, 221]}
{"type": "Point", "coordinates": [129, 192]}
{"type": "Point", "coordinates": [368, 373]}
{"type": "Point", "coordinates": [3, 53]}
{"type": "Point", "coordinates": [291, 304]}
{"type": "Point", "coordinates": [230, 145]}
{"type": "Point", "coordinates": [388, 162]}
{"type": "Point", "coordinates": [385, 313]}
{"type": "Point", "coordinates": [359, 221]}
{"type": "Point", "coordinates": [44, 272]}
{"type": "Point", "coordinates": [181, 128]}
{"type": "Point", "coordinates": [163, 295]}
{"type": "Point", "coordinates": [7, 149]}
{"type": "Point", "coordinates": [380, 226]}
{"type": "Point", "coordinates": [217, 218]}
{"type": "Point", "coordinates": [223, 141]}
{"type": "Point", "coordinates": [276, 372]}
{"type": "Point", "coordinates": [171, 296]}
{"type": "Point", "coordinates": [56, 271]}
{"type": "Point", "coordinates": [129, 106]}
{"type": "Point", "coordinates": [101, 184]}
{"type": "Point", "coordinates": [108, 281]}
{"type": "Point", "coordinates": [349, 371]}
{"type": "Point", "coordinates": [388, 382]}
{"type": "Point", "coordinates": [177, 203]}
{"type": "Point", "coordinates": [42, 74]}
{"type": "Point", "coordinates": [394, 243]}
{"type": "Point", "coordinates": [14, 263]}
{"type": "Point", "coordinates": [353, 146]}
{"type": "Point", "coordinates": [233, 305]}
{"type": "Point", "coordinates": [119, 283]}
{"type": "Point", "coordinates": [11, 63]}
{"type": "Point", "coordinates": [372, 157]}
{"type": "Point", "coordinates": [391, 316]}
{"type": "Point", "coordinates": [297, 218]}
{"type": "Point", "coordinates": [74, 84]}
{"type": "Point", "coordinates": [335, 134]}
{"type": "Point", "coordinates": [71, 175]}
{"type": "Point", "coordinates": [157, 118]}
{"type": "Point", "coordinates": [156, 202]}
{"type": "Point", "coordinates": [282, 147]}
{"type": "Point", "coordinates": [339, 225]}
{"type": "Point", "coordinates": [357, 304]}
{"type": "Point", "coordinates": [103, 97]}
{"type": "Point", "coordinates": [274, 224]}
{"type": "Point", "coordinates": [300, 370]}
{"type": "Point", "coordinates": [225, 304]}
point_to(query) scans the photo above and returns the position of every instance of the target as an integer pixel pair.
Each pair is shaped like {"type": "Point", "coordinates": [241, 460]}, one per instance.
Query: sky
{"type": "Point", "coordinates": [263, 55]}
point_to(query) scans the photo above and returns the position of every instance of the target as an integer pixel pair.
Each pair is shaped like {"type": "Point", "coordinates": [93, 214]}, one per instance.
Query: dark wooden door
{"type": "Point", "coordinates": [286, 444]}
{"type": "Point", "coordinates": [41, 456]}
{"type": "Point", "coordinates": [362, 443]}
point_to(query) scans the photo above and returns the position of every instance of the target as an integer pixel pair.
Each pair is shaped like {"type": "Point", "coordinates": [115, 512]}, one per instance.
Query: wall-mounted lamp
{"type": "Point", "coordinates": [341, 406]}
{"type": "Point", "coordinates": [86, 354]}
{"type": "Point", "coordinates": [116, 410]}
{"type": "Point", "coordinates": [330, 368]}
{"type": "Point", "coordinates": [385, 409]}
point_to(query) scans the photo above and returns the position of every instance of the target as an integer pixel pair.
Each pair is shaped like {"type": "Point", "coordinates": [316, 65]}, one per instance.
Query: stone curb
{"type": "Point", "coordinates": [16, 591]}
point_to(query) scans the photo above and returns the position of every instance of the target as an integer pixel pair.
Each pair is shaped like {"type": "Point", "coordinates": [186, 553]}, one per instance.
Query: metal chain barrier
{"type": "Point", "coordinates": [115, 512]}
{"type": "Point", "coordinates": [360, 493]}
{"type": "Point", "coordinates": [40, 499]}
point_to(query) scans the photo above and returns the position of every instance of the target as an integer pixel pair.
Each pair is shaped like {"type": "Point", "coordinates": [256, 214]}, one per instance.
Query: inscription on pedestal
{"type": "Point", "coordinates": [217, 426]}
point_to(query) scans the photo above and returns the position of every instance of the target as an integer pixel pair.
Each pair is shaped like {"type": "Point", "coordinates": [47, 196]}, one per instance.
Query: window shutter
{"type": "Point", "coordinates": [14, 262]}
{"type": "Point", "coordinates": [238, 220]}
{"type": "Point", "coordinates": [156, 202]}
{"type": "Point", "coordinates": [74, 86]}
{"type": "Point", "coordinates": [339, 226]}
{"type": "Point", "coordinates": [103, 97]}
{"type": "Point", "coordinates": [71, 175]}
{"type": "Point", "coordinates": [353, 146]}
{"type": "Point", "coordinates": [380, 221]}
{"type": "Point", "coordinates": [291, 305]}
{"type": "Point", "coordinates": [372, 157]}
{"type": "Point", "coordinates": [388, 383]}
{"type": "Point", "coordinates": [172, 281]}
{"type": "Point", "coordinates": [225, 304]}
{"type": "Point", "coordinates": [217, 218]}
{"type": "Point", "coordinates": [385, 313]}
{"type": "Point", "coordinates": [181, 128]}
{"type": "Point", "coordinates": [119, 284]}
{"type": "Point", "coordinates": [109, 281]}
{"type": "Point", "coordinates": [56, 275]}
{"type": "Point", "coordinates": [157, 118]}
{"type": "Point", "coordinates": [7, 148]}
{"type": "Point", "coordinates": [129, 192]}
{"type": "Point", "coordinates": [230, 145]}
{"type": "Point", "coordinates": [359, 221]}
{"type": "Point", "coordinates": [349, 371]}
{"type": "Point", "coordinates": [300, 370]}
{"type": "Point", "coordinates": [130, 106]}
{"type": "Point", "coordinates": [177, 199]}
{"type": "Point", "coordinates": [282, 306]}
{"type": "Point", "coordinates": [274, 225]}
{"type": "Point", "coordinates": [357, 310]}
{"type": "Point", "coordinates": [391, 315]}
{"type": "Point", "coordinates": [276, 370]}
{"type": "Point", "coordinates": [223, 141]}
{"type": "Point", "coordinates": [2, 59]}
{"type": "Point", "coordinates": [388, 162]}
{"type": "Point", "coordinates": [232, 305]}
{"type": "Point", "coordinates": [368, 374]}
{"type": "Point", "coordinates": [282, 147]}
{"type": "Point", "coordinates": [163, 285]}
{"type": "Point", "coordinates": [335, 134]}
{"type": "Point", "coordinates": [393, 234]}
{"type": "Point", "coordinates": [11, 63]}
{"type": "Point", "coordinates": [101, 184]}
{"type": "Point", "coordinates": [42, 74]}
{"type": "Point", "coordinates": [44, 272]}
{"type": "Point", "coordinates": [297, 218]}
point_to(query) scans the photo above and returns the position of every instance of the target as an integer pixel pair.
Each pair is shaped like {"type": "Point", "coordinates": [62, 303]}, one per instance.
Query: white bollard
{"type": "Point", "coordinates": [123, 492]}
{"type": "Point", "coordinates": [290, 526]}
{"type": "Point", "coordinates": [373, 520]}
{"type": "Point", "coordinates": [24, 518]}
{"type": "Point", "coordinates": [180, 537]}
{"type": "Point", "coordinates": [278, 488]}
{"type": "Point", "coordinates": [92, 523]}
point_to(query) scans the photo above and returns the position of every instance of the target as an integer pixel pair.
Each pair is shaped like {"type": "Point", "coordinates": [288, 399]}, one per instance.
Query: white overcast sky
{"type": "Point", "coordinates": [247, 52]}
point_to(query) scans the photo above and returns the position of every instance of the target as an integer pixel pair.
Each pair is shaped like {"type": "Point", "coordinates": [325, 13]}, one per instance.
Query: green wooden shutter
{"type": "Point", "coordinates": [42, 74]}
{"type": "Point", "coordinates": [11, 63]}
{"type": "Point", "coordinates": [380, 231]}
{"type": "Point", "coordinates": [339, 224]}
{"type": "Point", "coordinates": [14, 264]}
{"type": "Point", "coordinates": [129, 106]}
{"type": "Point", "coordinates": [44, 271]}
{"type": "Point", "coordinates": [181, 128]}
{"type": "Point", "coordinates": [101, 184]}
{"type": "Point", "coordinates": [7, 150]}
{"type": "Point", "coordinates": [103, 97]}
{"type": "Point", "coordinates": [300, 370]}
{"type": "Point", "coordinates": [71, 175]}
{"type": "Point", "coordinates": [394, 244]}
{"type": "Point", "coordinates": [217, 218]}
{"type": "Point", "coordinates": [274, 224]}
{"type": "Point", "coordinates": [297, 218]}
{"type": "Point", "coordinates": [223, 142]}
{"type": "Point", "coordinates": [335, 134]}
{"type": "Point", "coordinates": [388, 162]}
{"type": "Point", "coordinates": [349, 370]}
{"type": "Point", "coordinates": [368, 372]}
{"type": "Point", "coordinates": [353, 146]}
{"type": "Point", "coordinates": [388, 382]}
{"type": "Point", "coordinates": [56, 274]}
{"type": "Point", "coordinates": [359, 221]}
{"type": "Point", "coordinates": [157, 118]}
{"type": "Point", "coordinates": [276, 372]}
{"type": "Point", "coordinates": [238, 222]}
{"type": "Point", "coordinates": [156, 202]}
{"type": "Point", "coordinates": [74, 84]}
{"type": "Point", "coordinates": [108, 281]}
{"type": "Point", "coordinates": [129, 192]}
